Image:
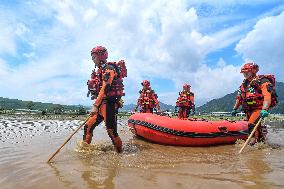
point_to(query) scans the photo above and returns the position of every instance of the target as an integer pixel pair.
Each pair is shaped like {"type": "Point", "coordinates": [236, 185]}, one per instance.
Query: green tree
{"type": "Point", "coordinates": [30, 105]}
{"type": "Point", "coordinates": [81, 110]}
{"type": "Point", "coordinates": [58, 109]}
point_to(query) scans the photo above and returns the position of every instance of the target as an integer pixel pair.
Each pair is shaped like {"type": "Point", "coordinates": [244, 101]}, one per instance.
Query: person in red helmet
{"type": "Point", "coordinates": [185, 102]}
{"type": "Point", "coordinates": [148, 99]}
{"type": "Point", "coordinates": [256, 95]}
{"type": "Point", "coordinates": [106, 89]}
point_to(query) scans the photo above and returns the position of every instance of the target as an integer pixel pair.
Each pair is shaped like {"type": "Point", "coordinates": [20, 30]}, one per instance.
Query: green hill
{"type": "Point", "coordinates": [6, 103]}
{"type": "Point", "coordinates": [227, 102]}
{"type": "Point", "coordinates": [130, 107]}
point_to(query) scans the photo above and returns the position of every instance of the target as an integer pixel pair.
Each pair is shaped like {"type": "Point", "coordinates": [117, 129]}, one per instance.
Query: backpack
{"type": "Point", "coordinates": [271, 78]}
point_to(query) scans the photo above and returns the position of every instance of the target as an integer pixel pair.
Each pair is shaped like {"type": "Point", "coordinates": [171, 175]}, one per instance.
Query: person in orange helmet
{"type": "Point", "coordinates": [148, 99]}
{"type": "Point", "coordinates": [256, 95]}
{"type": "Point", "coordinates": [185, 102]}
{"type": "Point", "coordinates": [106, 89]}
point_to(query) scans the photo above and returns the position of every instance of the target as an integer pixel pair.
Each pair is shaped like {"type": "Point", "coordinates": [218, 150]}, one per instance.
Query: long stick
{"type": "Point", "coordinates": [251, 134]}
{"type": "Point", "coordinates": [51, 156]}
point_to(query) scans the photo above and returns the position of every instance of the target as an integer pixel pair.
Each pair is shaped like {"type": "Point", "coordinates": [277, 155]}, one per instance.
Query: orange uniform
{"type": "Point", "coordinates": [148, 99]}
{"type": "Point", "coordinates": [185, 102]}
{"type": "Point", "coordinates": [107, 93]}
{"type": "Point", "coordinates": [252, 106]}
{"type": "Point", "coordinates": [256, 95]}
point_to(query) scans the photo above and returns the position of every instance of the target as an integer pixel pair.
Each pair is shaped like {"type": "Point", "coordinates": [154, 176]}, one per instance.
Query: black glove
{"type": "Point", "coordinates": [176, 109]}
{"type": "Point", "coordinates": [234, 112]}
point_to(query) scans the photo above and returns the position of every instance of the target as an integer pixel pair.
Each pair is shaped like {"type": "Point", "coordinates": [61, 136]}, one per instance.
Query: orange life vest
{"type": "Point", "coordinates": [250, 94]}
{"type": "Point", "coordinates": [146, 98]}
{"type": "Point", "coordinates": [116, 89]}
{"type": "Point", "coordinates": [184, 99]}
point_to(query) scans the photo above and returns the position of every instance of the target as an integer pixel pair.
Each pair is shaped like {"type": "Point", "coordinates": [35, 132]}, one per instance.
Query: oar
{"type": "Point", "coordinates": [251, 134]}
{"type": "Point", "coordinates": [51, 156]}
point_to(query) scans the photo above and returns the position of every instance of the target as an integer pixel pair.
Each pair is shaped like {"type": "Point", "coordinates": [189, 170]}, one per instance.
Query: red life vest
{"type": "Point", "coordinates": [184, 99]}
{"type": "Point", "coordinates": [94, 84]}
{"type": "Point", "coordinates": [116, 89]}
{"type": "Point", "coordinates": [146, 98]}
{"type": "Point", "coordinates": [250, 94]}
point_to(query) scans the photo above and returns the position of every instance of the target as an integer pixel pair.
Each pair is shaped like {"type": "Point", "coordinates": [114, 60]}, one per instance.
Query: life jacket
{"type": "Point", "coordinates": [146, 98]}
{"type": "Point", "coordinates": [250, 94]}
{"type": "Point", "coordinates": [184, 99]}
{"type": "Point", "coordinates": [116, 89]}
{"type": "Point", "coordinates": [94, 84]}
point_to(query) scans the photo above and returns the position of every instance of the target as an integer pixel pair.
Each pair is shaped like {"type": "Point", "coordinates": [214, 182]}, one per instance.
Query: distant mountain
{"type": "Point", "coordinates": [227, 102]}
{"type": "Point", "coordinates": [164, 107]}
{"type": "Point", "coordinates": [6, 103]}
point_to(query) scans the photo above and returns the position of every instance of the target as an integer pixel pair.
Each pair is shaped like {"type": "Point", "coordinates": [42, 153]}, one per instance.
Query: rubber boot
{"type": "Point", "coordinates": [118, 144]}
{"type": "Point", "coordinates": [262, 134]}
{"type": "Point", "coordinates": [254, 140]}
{"type": "Point", "coordinates": [257, 135]}
{"type": "Point", "coordinates": [87, 137]}
{"type": "Point", "coordinates": [116, 141]}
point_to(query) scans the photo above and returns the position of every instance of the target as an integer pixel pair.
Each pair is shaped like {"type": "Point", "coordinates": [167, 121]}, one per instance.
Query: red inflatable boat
{"type": "Point", "coordinates": [174, 131]}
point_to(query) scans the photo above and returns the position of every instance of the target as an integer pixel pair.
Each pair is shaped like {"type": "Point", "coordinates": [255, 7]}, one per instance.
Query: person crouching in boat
{"type": "Point", "coordinates": [106, 88]}
{"type": "Point", "coordinates": [148, 99]}
{"type": "Point", "coordinates": [185, 102]}
{"type": "Point", "coordinates": [256, 95]}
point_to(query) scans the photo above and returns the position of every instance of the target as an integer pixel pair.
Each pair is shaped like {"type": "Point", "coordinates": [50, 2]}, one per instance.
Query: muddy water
{"type": "Point", "coordinates": [25, 145]}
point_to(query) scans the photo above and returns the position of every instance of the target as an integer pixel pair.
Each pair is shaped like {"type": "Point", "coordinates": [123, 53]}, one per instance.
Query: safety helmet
{"type": "Point", "coordinates": [250, 67]}
{"type": "Point", "coordinates": [145, 83]}
{"type": "Point", "coordinates": [100, 52]}
{"type": "Point", "coordinates": [186, 87]}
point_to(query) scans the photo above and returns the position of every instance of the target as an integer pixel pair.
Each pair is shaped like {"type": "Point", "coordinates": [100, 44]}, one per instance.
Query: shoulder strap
{"type": "Point", "coordinates": [113, 66]}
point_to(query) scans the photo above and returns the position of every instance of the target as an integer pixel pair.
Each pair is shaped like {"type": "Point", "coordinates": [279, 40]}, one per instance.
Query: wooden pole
{"type": "Point", "coordinates": [251, 134]}
{"type": "Point", "coordinates": [52, 155]}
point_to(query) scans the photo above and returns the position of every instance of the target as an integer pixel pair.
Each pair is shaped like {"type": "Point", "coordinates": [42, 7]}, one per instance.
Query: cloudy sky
{"type": "Point", "coordinates": [45, 45]}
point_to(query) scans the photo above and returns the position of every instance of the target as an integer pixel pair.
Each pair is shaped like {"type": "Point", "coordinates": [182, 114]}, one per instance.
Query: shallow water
{"type": "Point", "coordinates": [25, 146]}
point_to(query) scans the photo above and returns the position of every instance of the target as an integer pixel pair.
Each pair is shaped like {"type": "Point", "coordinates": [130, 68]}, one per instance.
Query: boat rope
{"type": "Point", "coordinates": [187, 134]}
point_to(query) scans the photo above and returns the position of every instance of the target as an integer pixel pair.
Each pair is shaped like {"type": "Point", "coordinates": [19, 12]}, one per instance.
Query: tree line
{"type": "Point", "coordinates": [15, 104]}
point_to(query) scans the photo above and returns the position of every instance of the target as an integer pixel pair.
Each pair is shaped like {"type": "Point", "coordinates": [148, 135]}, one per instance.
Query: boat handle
{"type": "Point", "coordinates": [223, 129]}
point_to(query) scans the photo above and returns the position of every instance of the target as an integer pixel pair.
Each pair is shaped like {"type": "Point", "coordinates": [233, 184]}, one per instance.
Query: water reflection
{"type": "Point", "coordinates": [100, 174]}
{"type": "Point", "coordinates": [60, 176]}
{"type": "Point", "coordinates": [101, 164]}
{"type": "Point", "coordinates": [255, 169]}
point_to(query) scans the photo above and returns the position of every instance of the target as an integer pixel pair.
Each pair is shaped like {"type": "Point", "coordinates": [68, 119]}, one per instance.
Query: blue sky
{"type": "Point", "coordinates": [45, 45]}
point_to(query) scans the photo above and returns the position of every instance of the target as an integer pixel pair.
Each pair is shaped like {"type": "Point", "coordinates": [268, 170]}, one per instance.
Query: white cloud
{"type": "Point", "coordinates": [7, 36]}
{"type": "Point", "coordinates": [3, 69]}
{"type": "Point", "coordinates": [89, 15]}
{"type": "Point", "coordinates": [157, 39]}
{"type": "Point", "coordinates": [65, 13]}
{"type": "Point", "coordinates": [264, 45]}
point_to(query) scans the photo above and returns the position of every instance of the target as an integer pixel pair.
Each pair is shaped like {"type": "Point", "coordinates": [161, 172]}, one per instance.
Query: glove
{"type": "Point", "coordinates": [234, 112]}
{"type": "Point", "coordinates": [263, 113]}
{"type": "Point", "coordinates": [176, 109]}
